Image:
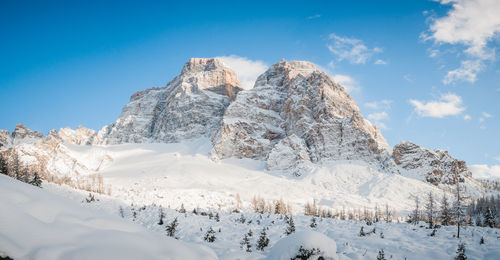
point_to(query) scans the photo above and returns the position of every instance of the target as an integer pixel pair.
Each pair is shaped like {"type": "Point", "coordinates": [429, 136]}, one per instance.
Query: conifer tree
{"type": "Point", "coordinates": [210, 236]}
{"type": "Point", "coordinates": [263, 241]}
{"type": "Point", "coordinates": [245, 243]}
{"type": "Point", "coordinates": [429, 209]}
{"type": "Point", "coordinates": [461, 252]}
{"type": "Point", "coordinates": [458, 211]}
{"type": "Point", "coordinates": [172, 228]}
{"type": "Point", "coordinates": [381, 255]}
{"type": "Point", "coordinates": [313, 223]}
{"type": "Point", "coordinates": [445, 211]}
{"type": "Point", "coordinates": [489, 218]}
{"type": "Point", "coordinates": [479, 223]}
{"type": "Point", "coordinates": [160, 222]}
{"type": "Point", "coordinates": [4, 169]}
{"type": "Point", "coordinates": [182, 209]}
{"type": "Point", "coordinates": [121, 212]}
{"type": "Point", "coordinates": [217, 218]}
{"type": "Point", "coordinates": [362, 232]}
{"type": "Point", "coordinates": [36, 180]}
{"type": "Point", "coordinates": [415, 217]}
{"type": "Point", "coordinates": [388, 214]}
{"type": "Point", "coordinates": [290, 226]}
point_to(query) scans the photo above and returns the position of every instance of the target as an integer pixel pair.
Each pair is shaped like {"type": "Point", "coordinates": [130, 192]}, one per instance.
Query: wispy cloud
{"type": "Point", "coordinates": [408, 78]}
{"type": "Point", "coordinates": [350, 84]}
{"type": "Point", "coordinates": [247, 70]}
{"type": "Point", "coordinates": [316, 16]}
{"type": "Point", "coordinates": [447, 105]}
{"type": "Point", "coordinates": [467, 71]}
{"type": "Point", "coordinates": [467, 117]}
{"type": "Point", "coordinates": [380, 62]}
{"type": "Point", "coordinates": [380, 114]}
{"type": "Point", "coordinates": [351, 49]}
{"type": "Point", "coordinates": [383, 104]}
{"type": "Point", "coordinates": [469, 23]}
{"type": "Point", "coordinates": [484, 116]}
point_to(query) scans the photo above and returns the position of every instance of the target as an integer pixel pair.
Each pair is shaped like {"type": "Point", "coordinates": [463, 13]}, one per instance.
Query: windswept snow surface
{"type": "Point", "coordinates": [399, 240]}
{"type": "Point", "coordinates": [185, 173]}
{"type": "Point", "coordinates": [36, 224]}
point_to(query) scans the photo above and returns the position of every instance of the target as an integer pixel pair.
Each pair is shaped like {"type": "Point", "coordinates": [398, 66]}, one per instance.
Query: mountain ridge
{"type": "Point", "coordinates": [296, 120]}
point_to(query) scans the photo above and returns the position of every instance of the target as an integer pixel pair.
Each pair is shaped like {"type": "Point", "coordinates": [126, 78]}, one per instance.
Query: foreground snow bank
{"type": "Point", "coordinates": [315, 243]}
{"type": "Point", "coordinates": [36, 224]}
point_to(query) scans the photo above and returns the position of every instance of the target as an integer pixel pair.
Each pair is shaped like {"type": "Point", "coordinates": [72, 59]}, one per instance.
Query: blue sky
{"type": "Point", "coordinates": [423, 71]}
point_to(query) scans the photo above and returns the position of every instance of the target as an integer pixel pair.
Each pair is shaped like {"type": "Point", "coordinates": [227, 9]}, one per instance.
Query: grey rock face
{"type": "Point", "coordinates": [80, 136]}
{"type": "Point", "coordinates": [22, 134]}
{"type": "Point", "coordinates": [190, 106]}
{"type": "Point", "coordinates": [434, 166]}
{"type": "Point", "coordinates": [5, 139]}
{"type": "Point", "coordinates": [295, 99]}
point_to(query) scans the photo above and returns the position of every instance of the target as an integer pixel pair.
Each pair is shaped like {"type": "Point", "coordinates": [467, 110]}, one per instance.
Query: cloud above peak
{"type": "Point", "coordinates": [351, 49]}
{"type": "Point", "coordinates": [472, 24]}
{"type": "Point", "coordinates": [448, 105]}
{"type": "Point", "coordinates": [247, 70]}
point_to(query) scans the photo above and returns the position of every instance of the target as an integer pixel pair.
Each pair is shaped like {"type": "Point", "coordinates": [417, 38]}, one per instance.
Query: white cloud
{"type": "Point", "coordinates": [483, 171]}
{"type": "Point", "coordinates": [380, 62]}
{"type": "Point", "coordinates": [379, 105]}
{"type": "Point", "coordinates": [351, 49]}
{"type": "Point", "coordinates": [483, 117]}
{"type": "Point", "coordinates": [350, 84]}
{"type": "Point", "coordinates": [467, 71]}
{"type": "Point", "coordinates": [380, 112]}
{"type": "Point", "coordinates": [408, 78]}
{"type": "Point", "coordinates": [377, 116]}
{"type": "Point", "coordinates": [497, 158]}
{"type": "Point", "coordinates": [472, 24]}
{"type": "Point", "coordinates": [247, 70]}
{"type": "Point", "coordinates": [433, 53]}
{"type": "Point", "coordinates": [447, 105]}
{"type": "Point", "coordinates": [486, 115]}
{"type": "Point", "coordinates": [467, 117]}
{"type": "Point", "coordinates": [314, 16]}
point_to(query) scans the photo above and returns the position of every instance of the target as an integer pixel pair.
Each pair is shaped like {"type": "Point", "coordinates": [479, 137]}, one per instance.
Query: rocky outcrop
{"type": "Point", "coordinates": [290, 101]}
{"type": "Point", "coordinates": [190, 106]}
{"type": "Point", "coordinates": [5, 139]}
{"type": "Point", "coordinates": [22, 134]}
{"type": "Point", "coordinates": [434, 166]}
{"type": "Point", "coordinates": [80, 136]}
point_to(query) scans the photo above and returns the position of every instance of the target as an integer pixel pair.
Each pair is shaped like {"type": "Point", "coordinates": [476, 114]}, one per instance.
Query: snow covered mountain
{"type": "Point", "coordinates": [294, 116]}
{"type": "Point", "coordinates": [190, 106]}
{"type": "Point", "coordinates": [297, 127]}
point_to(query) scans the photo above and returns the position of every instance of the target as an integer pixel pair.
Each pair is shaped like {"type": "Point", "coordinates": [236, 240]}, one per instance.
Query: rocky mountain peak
{"type": "Point", "coordinates": [202, 64]}
{"type": "Point", "coordinates": [434, 166]}
{"type": "Point", "coordinates": [80, 136]}
{"type": "Point", "coordinates": [294, 104]}
{"type": "Point", "coordinates": [22, 133]}
{"type": "Point", "coordinates": [189, 106]}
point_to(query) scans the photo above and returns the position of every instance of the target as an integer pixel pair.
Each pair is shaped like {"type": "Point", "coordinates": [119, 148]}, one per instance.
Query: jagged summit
{"type": "Point", "coordinates": [295, 107]}
{"type": "Point", "coordinates": [189, 106]}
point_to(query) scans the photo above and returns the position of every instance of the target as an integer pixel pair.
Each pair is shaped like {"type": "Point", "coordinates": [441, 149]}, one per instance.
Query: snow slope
{"type": "Point", "coordinates": [184, 173]}
{"type": "Point", "coordinates": [399, 240]}
{"type": "Point", "coordinates": [36, 224]}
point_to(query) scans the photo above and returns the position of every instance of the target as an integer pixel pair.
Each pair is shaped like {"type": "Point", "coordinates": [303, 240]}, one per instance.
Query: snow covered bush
{"type": "Point", "coordinates": [306, 243]}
